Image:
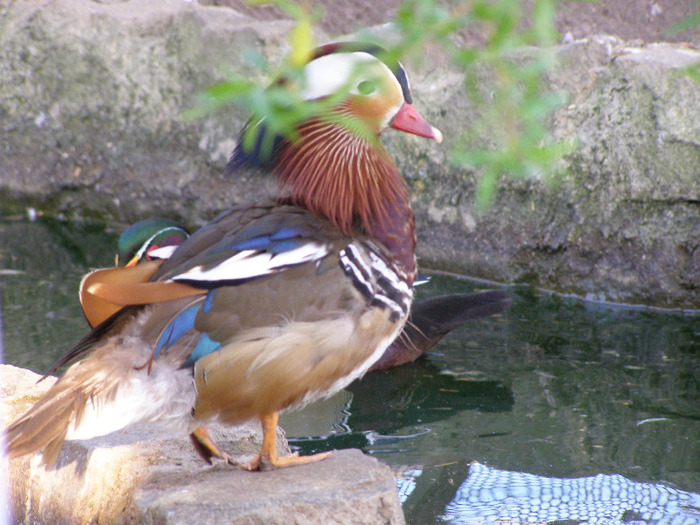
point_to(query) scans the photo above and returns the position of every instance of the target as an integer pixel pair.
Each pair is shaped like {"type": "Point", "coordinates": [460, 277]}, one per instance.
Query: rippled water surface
{"type": "Point", "coordinates": [490, 426]}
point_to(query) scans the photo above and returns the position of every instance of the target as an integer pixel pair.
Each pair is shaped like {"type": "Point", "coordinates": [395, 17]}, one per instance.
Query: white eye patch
{"type": "Point", "coordinates": [329, 74]}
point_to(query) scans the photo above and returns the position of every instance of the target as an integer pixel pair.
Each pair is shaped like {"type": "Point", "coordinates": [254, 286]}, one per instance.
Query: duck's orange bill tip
{"type": "Point", "coordinates": [408, 120]}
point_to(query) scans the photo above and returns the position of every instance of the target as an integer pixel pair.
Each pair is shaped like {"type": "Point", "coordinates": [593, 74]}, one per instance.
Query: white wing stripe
{"type": "Point", "coordinates": [353, 266]}
{"type": "Point", "coordinates": [162, 253]}
{"type": "Point", "coordinates": [248, 264]}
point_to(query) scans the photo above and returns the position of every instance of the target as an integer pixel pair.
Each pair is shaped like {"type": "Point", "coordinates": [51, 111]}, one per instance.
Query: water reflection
{"type": "Point", "coordinates": [490, 495]}
{"type": "Point", "coordinates": [41, 264]}
{"type": "Point", "coordinates": [555, 388]}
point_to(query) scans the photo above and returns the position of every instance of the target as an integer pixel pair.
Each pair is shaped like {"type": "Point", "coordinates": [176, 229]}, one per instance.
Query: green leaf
{"type": "Point", "coordinates": [686, 23]}
{"type": "Point", "coordinates": [505, 80]}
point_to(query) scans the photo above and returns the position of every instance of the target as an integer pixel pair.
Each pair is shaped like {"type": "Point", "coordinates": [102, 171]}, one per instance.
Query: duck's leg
{"type": "Point", "coordinates": [205, 446]}
{"type": "Point", "coordinates": [267, 457]}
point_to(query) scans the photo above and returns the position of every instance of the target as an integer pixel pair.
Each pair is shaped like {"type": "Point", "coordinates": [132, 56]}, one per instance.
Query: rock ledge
{"type": "Point", "coordinates": [145, 476]}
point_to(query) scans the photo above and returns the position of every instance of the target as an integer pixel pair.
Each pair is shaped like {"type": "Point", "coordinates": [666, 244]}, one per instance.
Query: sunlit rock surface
{"type": "Point", "coordinates": [91, 124]}
{"type": "Point", "coordinates": [144, 475]}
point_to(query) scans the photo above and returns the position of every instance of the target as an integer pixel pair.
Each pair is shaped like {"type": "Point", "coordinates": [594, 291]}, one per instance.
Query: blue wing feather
{"type": "Point", "coordinates": [206, 307]}
{"type": "Point", "coordinates": [287, 232]}
{"type": "Point", "coordinates": [204, 346]}
{"type": "Point", "coordinates": [256, 243]}
{"type": "Point", "coordinates": [255, 252]}
{"type": "Point", "coordinates": [287, 238]}
{"type": "Point", "coordinates": [285, 246]}
{"type": "Point", "coordinates": [179, 326]}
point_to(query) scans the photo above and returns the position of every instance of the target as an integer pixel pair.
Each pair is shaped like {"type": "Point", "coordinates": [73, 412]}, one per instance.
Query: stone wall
{"type": "Point", "coordinates": [91, 101]}
{"type": "Point", "coordinates": [623, 224]}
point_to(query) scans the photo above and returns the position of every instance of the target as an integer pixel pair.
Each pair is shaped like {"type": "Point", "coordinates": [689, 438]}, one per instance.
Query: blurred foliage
{"type": "Point", "coordinates": [686, 23]}
{"type": "Point", "coordinates": [689, 22]}
{"type": "Point", "coordinates": [517, 54]}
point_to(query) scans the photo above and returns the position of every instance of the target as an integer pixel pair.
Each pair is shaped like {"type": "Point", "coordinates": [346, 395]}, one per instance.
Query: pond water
{"type": "Point", "coordinates": [558, 410]}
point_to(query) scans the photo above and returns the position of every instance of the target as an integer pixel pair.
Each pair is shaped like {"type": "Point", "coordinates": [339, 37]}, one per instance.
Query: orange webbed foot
{"type": "Point", "coordinates": [267, 459]}
{"type": "Point", "coordinates": [266, 462]}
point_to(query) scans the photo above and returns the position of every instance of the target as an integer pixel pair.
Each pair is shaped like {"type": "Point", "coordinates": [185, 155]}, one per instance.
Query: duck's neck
{"type": "Point", "coordinates": [350, 180]}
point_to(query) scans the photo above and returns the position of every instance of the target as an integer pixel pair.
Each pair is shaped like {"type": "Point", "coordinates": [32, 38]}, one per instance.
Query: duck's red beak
{"type": "Point", "coordinates": [408, 120]}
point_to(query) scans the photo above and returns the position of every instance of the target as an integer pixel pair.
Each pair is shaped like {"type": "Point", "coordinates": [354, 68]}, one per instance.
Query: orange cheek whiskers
{"type": "Point", "coordinates": [333, 172]}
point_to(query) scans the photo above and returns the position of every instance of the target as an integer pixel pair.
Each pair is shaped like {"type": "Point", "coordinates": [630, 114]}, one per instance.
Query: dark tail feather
{"type": "Point", "coordinates": [433, 318]}
{"type": "Point", "coordinates": [446, 312]}
{"type": "Point", "coordinates": [87, 343]}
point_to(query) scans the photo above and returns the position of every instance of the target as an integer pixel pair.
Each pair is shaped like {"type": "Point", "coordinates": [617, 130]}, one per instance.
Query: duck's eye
{"type": "Point", "coordinates": [366, 87]}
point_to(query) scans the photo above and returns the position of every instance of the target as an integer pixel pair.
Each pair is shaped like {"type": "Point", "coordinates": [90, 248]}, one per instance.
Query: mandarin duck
{"type": "Point", "coordinates": [274, 303]}
{"type": "Point", "coordinates": [147, 240]}
{"type": "Point", "coordinates": [430, 319]}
